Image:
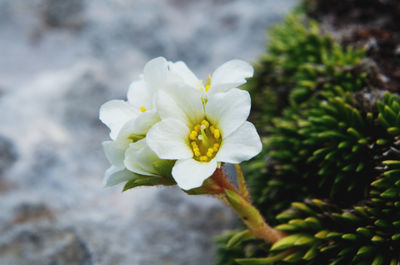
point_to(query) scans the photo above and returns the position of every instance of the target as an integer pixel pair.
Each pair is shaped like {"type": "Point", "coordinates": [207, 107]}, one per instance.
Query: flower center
{"type": "Point", "coordinates": [205, 141]}
{"type": "Point", "coordinates": [142, 109]}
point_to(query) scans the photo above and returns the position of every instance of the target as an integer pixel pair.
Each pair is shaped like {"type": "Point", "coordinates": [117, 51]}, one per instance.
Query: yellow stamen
{"type": "Point", "coordinates": [217, 133]}
{"type": "Point", "coordinates": [216, 147]}
{"type": "Point", "coordinates": [210, 152]}
{"type": "Point", "coordinates": [193, 135]}
{"type": "Point", "coordinates": [208, 83]}
{"type": "Point", "coordinates": [142, 109]}
{"type": "Point", "coordinates": [203, 158]}
{"type": "Point", "coordinates": [205, 141]}
{"type": "Point", "coordinates": [205, 123]}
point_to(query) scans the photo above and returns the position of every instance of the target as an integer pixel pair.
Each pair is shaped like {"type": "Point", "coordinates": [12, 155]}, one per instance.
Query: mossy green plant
{"type": "Point", "coordinates": [330, 173]}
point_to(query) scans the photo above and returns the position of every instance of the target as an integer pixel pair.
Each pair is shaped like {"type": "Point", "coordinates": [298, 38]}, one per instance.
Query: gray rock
{"type": "Point", "coordinates": [44, 245]}
{"type": "Point", "coordinates": [8, 154]}
{"type": "Point", "coordinates": [63, 14]}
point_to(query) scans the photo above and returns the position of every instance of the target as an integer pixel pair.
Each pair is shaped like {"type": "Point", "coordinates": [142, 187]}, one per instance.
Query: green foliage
{"type": "Point", "coordinates": [330, 173]}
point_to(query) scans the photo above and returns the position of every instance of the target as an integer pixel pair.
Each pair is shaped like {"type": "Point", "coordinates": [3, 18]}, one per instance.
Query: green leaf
{"type": "Point", "coordinates": [304, 240]}
{"type": "Point", "coordinates": [164, 167]}
{"type": "Point", "coordinates": [303, 207]}
{"type": "Point", "coordinates": [378, 260]}
{"type": "Point", "coordinates": [294, 257]}
{"type": "Point", "coordinates": [238, 238]}
{"type": "Point", "coordinates": [262, 261]}
{"type": "Point", "coordinates": [285, 242]}
{"type": "Point", "coordinates": [147, 181]}
{"type": "Point", "coordinates": [241, 181]}
{"type": "Point", "coordinates": [311, 253]}
{"type": "Point", "coordinates": [364, 250]}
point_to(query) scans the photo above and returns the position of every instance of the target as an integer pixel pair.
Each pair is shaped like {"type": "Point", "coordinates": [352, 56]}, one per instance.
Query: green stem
{"type": "Point", "coordinates": [239, 201]}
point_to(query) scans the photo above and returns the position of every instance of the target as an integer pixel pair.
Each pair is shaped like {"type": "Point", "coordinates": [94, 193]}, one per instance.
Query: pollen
{"type": "Point", "coordinates": [142, 109]}
{"type": "Point", "coordinates": [217, 134]}
{"type": "Point", "coordinates": [205, 123]}
{"type": "Point", "coordinates": [205, 141]}
{"type": "Point", "coordinates": [216, 147]}
{"type": "Point", "coordinates": [193, 135]}
{"type": "Point", "coordinates": [203, 158]}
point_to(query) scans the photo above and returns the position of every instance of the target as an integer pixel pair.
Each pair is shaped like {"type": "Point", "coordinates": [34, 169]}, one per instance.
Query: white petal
{"type": "Point", "coordinates": [169, 139]}
{"type": "Point", "coordinates": [139, 159]}
{"type": "Point", "coordinates": [229, 75]}
{"type": "Point", "coordinates": [190, 174]}
{"type": "Point", "coordinates": [140, 95]}
{"type": "Point", "coordinates": [181, 69]}
{"type": "Point", "coordinates": [181, 102]}
{"type": "Point", "coordinates": [241, 145]}
{"type": "Point", "coordinates": [144, 122]}
{"type": "Point", "coordinates": [115, 175]}
{"type": "Point", "coordinates": [115, 113]}
{"type": "Point", "coordinates": [228, 110]}
{"type": "Point", "coordinates": [155, 73]}
{"type": "Point", "coordinates": [138, 127]}
{"type": "Point", "coordinates": [114, 153]}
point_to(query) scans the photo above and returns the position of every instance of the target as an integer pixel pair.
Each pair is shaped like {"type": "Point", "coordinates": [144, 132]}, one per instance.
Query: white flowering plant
{"type": "Point", "coordinates": [175, 129]}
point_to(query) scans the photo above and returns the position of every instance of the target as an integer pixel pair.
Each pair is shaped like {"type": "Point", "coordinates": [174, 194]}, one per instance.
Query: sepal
{"type": "Point", "coordinates": [148, 181]}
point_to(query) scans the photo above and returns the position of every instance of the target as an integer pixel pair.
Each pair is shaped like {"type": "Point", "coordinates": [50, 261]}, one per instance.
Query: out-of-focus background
{"type": "Point", "coordinates": [59, 61]}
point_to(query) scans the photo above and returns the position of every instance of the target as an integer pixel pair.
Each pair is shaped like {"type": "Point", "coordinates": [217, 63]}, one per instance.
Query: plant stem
{"type": "Point", "coordinates": [240, 202]}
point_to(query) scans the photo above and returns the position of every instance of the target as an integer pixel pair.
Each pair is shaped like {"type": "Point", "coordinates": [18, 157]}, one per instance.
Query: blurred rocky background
{"type": "Point", "coordinates": [59, 61]}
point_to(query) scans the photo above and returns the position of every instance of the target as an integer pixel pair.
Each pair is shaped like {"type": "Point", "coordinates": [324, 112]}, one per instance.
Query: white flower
{"type": "Point", "coordinates": [129, 122]}
{"type": "Point", "coordinates": [200, 133]}
{"type": "Point", "coordinates": [231, 74]}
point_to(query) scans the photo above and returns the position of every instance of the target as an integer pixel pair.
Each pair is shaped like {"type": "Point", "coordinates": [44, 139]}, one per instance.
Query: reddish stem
{"type": "Point", "coordinates": [264, 231]}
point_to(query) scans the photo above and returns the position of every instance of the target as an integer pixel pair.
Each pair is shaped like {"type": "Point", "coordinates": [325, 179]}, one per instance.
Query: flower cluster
{"type": "Point", "coordinates": [175, 127]}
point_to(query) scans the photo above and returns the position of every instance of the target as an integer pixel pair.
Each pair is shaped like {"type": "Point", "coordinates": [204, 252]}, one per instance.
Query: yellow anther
{"type": "Point", "coordinates": [210, 152]}
{"type": "Point", "coordinates": [203, 158]}
{"type": "Point", "coordinates": [205, 141]}
{"type": "Point", "coordinates": [193, 135]}
{"type": "Point", "coordinates": [205, 123]}
{"type": "Point", "coordinates": [217, 134]}
{"type": "Point", "coordinates": [142, 109]}
{"type": "Point", "coordinates": [207, 86]}
{"type": "Point", "coordinates": [216, 147]}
